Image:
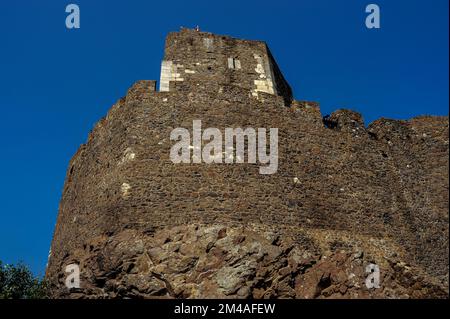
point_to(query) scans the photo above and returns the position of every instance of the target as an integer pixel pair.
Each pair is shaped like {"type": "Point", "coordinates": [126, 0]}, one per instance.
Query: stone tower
{"type": "Point", "coordinates": [198, 59]}
{"type": "Point", "coordinates": [344, 195]}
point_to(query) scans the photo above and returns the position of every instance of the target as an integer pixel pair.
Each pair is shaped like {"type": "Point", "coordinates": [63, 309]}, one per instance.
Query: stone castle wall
{"type": "Point", "coordinates": [387, 182]}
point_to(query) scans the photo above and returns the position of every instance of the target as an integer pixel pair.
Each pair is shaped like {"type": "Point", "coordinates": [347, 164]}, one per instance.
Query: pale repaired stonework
{"type": "Point", "coordinates": [169, 72]}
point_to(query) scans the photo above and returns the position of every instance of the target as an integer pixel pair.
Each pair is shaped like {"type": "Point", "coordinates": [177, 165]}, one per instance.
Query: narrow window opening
{"type": "Point", "coordinates": [234, 64]}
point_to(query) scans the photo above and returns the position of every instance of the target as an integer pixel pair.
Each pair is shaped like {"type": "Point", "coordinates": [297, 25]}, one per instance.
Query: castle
{"type": "Point", "coordinates": [344, 195]}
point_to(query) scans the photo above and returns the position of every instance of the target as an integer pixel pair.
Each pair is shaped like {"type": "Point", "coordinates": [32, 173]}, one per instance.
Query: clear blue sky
{"type": "Point", "coordinates": [55, 83]}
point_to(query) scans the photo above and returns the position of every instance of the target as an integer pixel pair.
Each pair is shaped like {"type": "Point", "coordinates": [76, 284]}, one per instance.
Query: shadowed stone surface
{"type": "Point", "coordinates": [344, 195]}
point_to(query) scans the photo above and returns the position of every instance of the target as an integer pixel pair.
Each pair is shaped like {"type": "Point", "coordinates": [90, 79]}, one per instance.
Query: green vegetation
{"type": "Point", "coordinates": [18, 282]}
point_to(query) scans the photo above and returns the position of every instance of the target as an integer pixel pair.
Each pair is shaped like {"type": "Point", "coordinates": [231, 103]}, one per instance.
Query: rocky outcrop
{"type": "Point", "coordinates": [252, 261]}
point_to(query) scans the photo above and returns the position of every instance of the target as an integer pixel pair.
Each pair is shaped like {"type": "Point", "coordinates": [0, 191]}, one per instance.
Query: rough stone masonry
{"type": "Point", "coordinates": [344, 196]}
